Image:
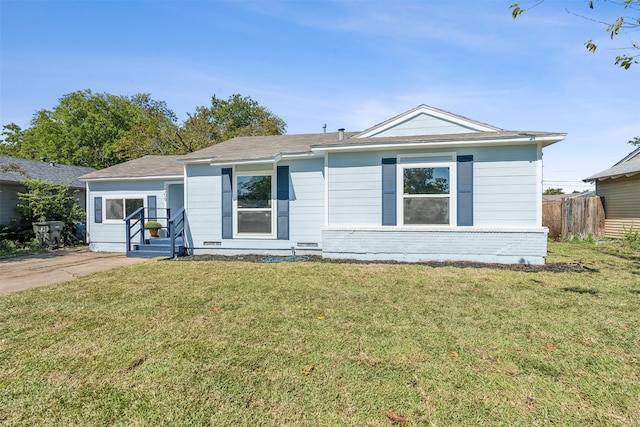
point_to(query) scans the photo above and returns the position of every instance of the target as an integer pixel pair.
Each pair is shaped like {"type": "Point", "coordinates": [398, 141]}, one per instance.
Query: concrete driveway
{"type": "Point", "coordinates": [31, 271]}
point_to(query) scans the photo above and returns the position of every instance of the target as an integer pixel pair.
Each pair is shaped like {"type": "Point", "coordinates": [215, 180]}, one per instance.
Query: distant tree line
{"type": "Point", "coordinates": [101, 130]}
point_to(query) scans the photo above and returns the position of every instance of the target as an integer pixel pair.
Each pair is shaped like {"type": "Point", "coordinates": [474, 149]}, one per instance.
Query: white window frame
{"type": "Point", "coordinates": [123, 198]}
{"type": "Point", "coordinates": [420, 160]}
{"type": "Point", "coordinates": [238, 174]}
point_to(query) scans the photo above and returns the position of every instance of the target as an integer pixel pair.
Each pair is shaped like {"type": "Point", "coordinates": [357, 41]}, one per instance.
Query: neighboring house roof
{"type": "Point", "coordinates": [150, 167]}
{"type": "Point", "coordinates": [44, 170]}
{"type": "Point", "coordinates": [628, 166]}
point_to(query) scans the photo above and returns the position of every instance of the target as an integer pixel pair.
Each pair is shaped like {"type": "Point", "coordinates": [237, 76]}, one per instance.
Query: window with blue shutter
{"type": "Point", "coordinates": [282, 191]}
{"type": "Point", "coordinates": [227, 203]}
{"type": "Point", "coordinates": [389, 216]}
{"type": "Point", "coordinates": [97, 209]}
{"type": "Point", "coordinates": [465, 190]}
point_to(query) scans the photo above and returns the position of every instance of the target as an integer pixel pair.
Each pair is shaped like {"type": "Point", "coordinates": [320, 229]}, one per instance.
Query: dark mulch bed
{"type": "Point", "coordinates": [550, 267]}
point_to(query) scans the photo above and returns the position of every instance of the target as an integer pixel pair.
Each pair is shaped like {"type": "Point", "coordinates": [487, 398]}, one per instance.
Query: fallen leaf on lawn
{"type": "Point", "coordinates": [396, 418]}
{"type": "Point", "coordinates": [308, 370]}
{"type": "Point", "coordinates": [320, 317]}
{"type": "Point", "coordinates": [550, 348]}
{"type": "Point", "coordinates": [454, 353]}
{"type": "Point", "coordinates": [217, 309]}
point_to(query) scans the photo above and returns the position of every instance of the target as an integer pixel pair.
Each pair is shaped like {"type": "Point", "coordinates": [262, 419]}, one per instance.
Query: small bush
{"type": "Point", "coordinates": [152, 225]}
{"type": "Point", "coordinates": [7, 246]}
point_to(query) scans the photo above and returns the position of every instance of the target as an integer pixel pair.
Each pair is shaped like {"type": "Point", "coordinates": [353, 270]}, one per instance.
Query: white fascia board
{"type": "Point", "coordinates": [272, 160]}
{"type": "Point", "coordinates": [135, 178]}
{"type": "Point", "coordinates": [300, 155]}
{"type": "Point", "coordinates": [196, 161]}
{"type": "Point", "coordinates": [543, 141]}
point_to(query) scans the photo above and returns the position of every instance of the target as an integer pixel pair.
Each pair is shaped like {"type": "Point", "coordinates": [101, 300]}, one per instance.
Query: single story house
{"type": "Point", "coordinates": [424, 185]}
{"type": "Point", "coordinates": [619, 187]}
{"type": "Point", "coordinates": [13, 171]}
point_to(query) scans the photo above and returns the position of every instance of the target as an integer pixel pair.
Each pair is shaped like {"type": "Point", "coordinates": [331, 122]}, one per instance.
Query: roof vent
{"type": "Point", "coordinates": [341, 134]}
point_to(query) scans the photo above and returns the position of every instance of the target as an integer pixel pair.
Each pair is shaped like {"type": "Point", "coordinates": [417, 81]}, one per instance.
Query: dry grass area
{"type": "Point", "coordinates": [235, 343]}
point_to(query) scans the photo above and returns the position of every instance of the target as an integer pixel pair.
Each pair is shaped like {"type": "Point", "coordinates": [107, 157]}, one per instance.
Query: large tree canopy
{"type": "Point", "coordinates": [100, 129]}
{"type": "Point", "coordinates": [90, 129]}
{"type": "Point", "coordinates": [237, 116]}
{"type": "Point", "coordinates": [627, 21]}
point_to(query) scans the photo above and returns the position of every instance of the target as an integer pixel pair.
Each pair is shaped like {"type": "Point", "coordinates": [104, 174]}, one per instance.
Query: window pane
{"type": "Point", "coordinates": [426, 180]}
{"type": "Point", "coordinates": [426, 210]}
{"type": "Point", "coordinates": [131, 205]}
{"type": "Point", "coordinates": [254, 222]}
{"type": "Point", "coordinates": [114, 209]}
{"type": "Point", "coordinates": [254, 191]}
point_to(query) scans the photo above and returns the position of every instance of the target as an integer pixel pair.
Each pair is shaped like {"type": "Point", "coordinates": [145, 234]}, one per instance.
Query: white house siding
{"type": "Point", "coordinates": [424, 124]}
{"type": "Point", "coordinates": [203, 203]}
{"type": "Point", "coordinates": [514, 246]}
{"type": "Point", "coordinates": [306, 211]}
{"type": "Point", "coordinates": [110, 237]}
{"type": "Point", "coordinates": [505, 230]}
{"type": "Point", "coordinates": [505, 186]}
{"type": "Point", "coordinates": [355, 187]}
{"type": "Point", "coordinates": [306, 202]}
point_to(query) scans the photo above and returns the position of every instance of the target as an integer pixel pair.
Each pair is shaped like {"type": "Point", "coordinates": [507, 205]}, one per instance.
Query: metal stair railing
{"type": "Point", "coordinates": [176, 229]}
{"type": "Point", "coordinates": [135, 220]}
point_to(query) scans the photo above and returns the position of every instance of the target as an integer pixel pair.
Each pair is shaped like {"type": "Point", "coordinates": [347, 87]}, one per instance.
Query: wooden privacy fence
{"type": "Point", "coordinates": [566, 218]}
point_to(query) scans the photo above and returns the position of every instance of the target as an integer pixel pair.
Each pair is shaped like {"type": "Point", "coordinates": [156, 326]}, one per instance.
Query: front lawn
{"type": "Point", "coordinates": [229, 343]}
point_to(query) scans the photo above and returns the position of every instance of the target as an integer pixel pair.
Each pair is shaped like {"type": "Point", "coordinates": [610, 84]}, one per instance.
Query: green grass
{"type": "Point", "coordinates": [227, 343]}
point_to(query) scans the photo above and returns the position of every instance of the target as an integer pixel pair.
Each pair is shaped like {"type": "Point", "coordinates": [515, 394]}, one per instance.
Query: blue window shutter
{"type": "Point", "coordinates": [389, 216]}
{"type": "Point", "coordinates": [97, 209]}
{"type": "Point", "coordinates": [465, 190]}
{"type": "Point", "coordinates": [152, 208]}
{"type": "Point", "coordinates": [282, 207]}
{"type": "Point", "coordinates": [227, 203]}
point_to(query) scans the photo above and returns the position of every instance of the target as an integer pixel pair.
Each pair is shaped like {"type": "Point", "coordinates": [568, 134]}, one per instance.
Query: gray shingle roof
{"type": "Point", "coordinates": [53, 172]}
{"type": "Point", "coordinates": [253, 148]}
{"type": "Point", "coordinates": [263, 147]}
{"type": "Point", "coordinates": [147, 167]}
{"type": "Point", "coordinates": [630, 165]}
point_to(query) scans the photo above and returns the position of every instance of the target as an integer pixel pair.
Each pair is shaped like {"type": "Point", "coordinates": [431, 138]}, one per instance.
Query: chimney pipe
{"type": "Point", "coordinates": [324, 128]}
{"type": "Point", "coordinates": [341, 134]}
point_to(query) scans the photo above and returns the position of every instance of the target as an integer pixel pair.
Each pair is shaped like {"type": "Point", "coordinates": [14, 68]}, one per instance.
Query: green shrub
{"type": "Point", "coordinates": [7, 246]}
{"type": "Point", "coordinates": [45, 201]}
{"type": "Point", "coordinates": [632, 238]}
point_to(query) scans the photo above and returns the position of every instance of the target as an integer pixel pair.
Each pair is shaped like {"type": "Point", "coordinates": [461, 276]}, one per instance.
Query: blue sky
{"type": "Point", "coordinates": [348, 64]}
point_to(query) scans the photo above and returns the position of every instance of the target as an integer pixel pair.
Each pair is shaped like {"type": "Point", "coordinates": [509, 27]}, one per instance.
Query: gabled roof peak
{"type": "Point", "coordinates": [439, 121]}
